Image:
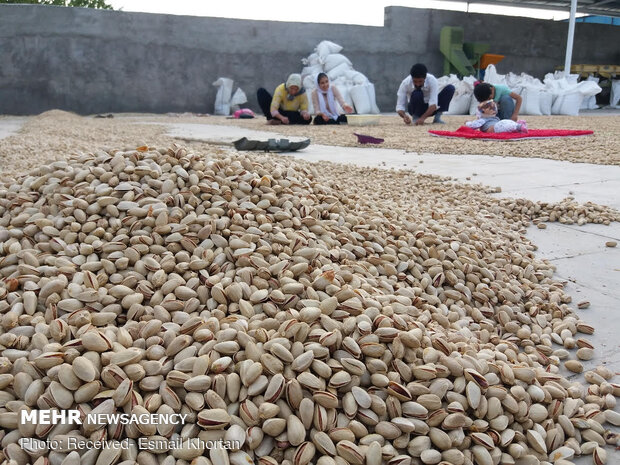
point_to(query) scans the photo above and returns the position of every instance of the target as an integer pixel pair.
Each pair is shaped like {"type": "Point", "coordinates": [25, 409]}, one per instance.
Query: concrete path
{"type": "Point", "coordinates": [223, 135]}
{"type": "Point", "coordinates": [10, 125]}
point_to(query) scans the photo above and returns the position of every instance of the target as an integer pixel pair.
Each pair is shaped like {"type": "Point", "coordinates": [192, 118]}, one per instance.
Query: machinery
{"type": "Point", "coordinates": [464, 58]}
{"type": "Point", "coordinates": [603, 71]}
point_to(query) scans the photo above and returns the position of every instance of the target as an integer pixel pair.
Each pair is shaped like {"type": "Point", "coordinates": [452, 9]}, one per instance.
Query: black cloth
{"type": "Point", "coordinates": [417, 107]}
{"type": "Point", "coordinates": [264, 102]}
{"type": "Point", "coordinates": [342, 119]}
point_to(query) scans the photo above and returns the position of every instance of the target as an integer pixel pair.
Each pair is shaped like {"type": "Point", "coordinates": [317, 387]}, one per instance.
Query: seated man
{"type": "Point", "coordinates": [421, 90]}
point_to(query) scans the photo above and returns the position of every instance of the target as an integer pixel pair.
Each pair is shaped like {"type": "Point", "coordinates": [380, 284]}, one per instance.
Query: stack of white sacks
{"type": "Point", "coordinates": [225, 100]}
{"type": "Point", "coordinates": [614, 100]}
{"type": "Point", "coordinates": [557, 95]}
{"type": "Point", "coordinates": [355, 88]}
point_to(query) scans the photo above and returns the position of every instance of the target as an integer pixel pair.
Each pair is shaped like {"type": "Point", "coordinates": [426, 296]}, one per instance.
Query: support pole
{"type": "Point", "coordinates": [571, 35]}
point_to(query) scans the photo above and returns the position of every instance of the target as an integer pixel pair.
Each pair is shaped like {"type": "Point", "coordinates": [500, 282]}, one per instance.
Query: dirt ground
{"type": "Point", "coordinates": [57, 134]}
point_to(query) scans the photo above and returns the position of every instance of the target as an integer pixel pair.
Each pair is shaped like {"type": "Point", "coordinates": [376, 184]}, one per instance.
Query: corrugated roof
{"type": "Point", "coordinates": [591, 7]}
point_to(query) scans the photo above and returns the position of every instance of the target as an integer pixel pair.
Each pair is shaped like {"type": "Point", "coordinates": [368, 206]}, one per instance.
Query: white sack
{"type": "Point", "coordinates": [588, 88]}
{"type": "Point", "coordinates": [357, 91]}
{"type": "Point", "coordinates": [313, 59]}
{"type": "Point", "coordinates": [443, 81]}
{"type": "Point", "coordinates": [338, 71]}
{"type": "Point", "coordinates": [468, 81]}
{"type": "Point", "coordinates": [558, 84]}
{"type": "Point", "coordinates": [309, 85]}
{"type": "Point", "coordinates": [356, 77]}
{"type": "Point", "coordinates": [239, 97]}
{"type": "Point", "coordinates": [570, 96]}
{"type": "Point", "coordinates": [345, 91]}
{"type": "Point", "coordinates": [463, 92]}
{"type": "Point", "coordinates": [309, 82]}
{"type": "Point", "coordinates": [311, 71]}
{"type": "Point", "coordinates": [519, 82]}
{"type": "Point", "coordinates": [492, 77]}
{"type": "Point", "coordinates": [514, 81]}
{"type": "Point", "coordinates": [310, 104]}
{"type": "Point", "coordinates": [335, 59]}
{"type": "Point", "coordinates": [567, 93]}
{"type": "Point", "coordinates": [361, 100]}
{"type": "Point", "coordinates": [552, 85]}
{"type": "Point", "coordinates": [531, 101]}
{"type": "Point", "coordinates": [326, 48]}
{"type": "Point", "coordinates": [546, 100]}
{"type": "Point", "coordinates": [473, 105]}
{"type": "Point", "coordinates": [372, 97]}
{"type": "Point", "coordinates": [570, 104]}
{"type": "Point", "coordinates": [222, 98]}
{"type": "Point", "coordinates": [614, 98]}
{"type": "Point", "coordinates": [558, 101]}
{"type": "Point", "coordinates": [459, 105]}
{"type": "Point", "coordinates": [589, 102]}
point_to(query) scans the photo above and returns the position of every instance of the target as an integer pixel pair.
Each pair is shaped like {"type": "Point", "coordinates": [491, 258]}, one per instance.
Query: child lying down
{"type": "Point", "coordinates": [489, 122]}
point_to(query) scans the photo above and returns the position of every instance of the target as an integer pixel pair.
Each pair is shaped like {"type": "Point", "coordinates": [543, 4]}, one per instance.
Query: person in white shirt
{"type": "Point", "coordinates": [324, 99]}
{"type": "Point", "coordinates": [419, 95]}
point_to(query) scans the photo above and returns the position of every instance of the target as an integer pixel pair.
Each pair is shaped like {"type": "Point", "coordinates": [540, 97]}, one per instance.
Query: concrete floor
{"type": "Point", "coordinates": [10, 125]}
{"type": "Point", "coordinates": [590, 269]}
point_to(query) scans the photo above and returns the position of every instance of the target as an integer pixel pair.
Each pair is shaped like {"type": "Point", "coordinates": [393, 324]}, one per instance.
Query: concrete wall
{"type": "Point", "coordinates": [93, 61]}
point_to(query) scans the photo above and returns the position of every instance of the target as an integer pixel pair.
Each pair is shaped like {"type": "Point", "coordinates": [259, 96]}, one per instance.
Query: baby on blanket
{"type": "Point", "coordinates": [489, 122]}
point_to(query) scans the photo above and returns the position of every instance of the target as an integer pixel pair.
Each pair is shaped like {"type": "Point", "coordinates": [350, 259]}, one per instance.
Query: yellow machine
{"type": "Point", "coordinates": [604, 71]}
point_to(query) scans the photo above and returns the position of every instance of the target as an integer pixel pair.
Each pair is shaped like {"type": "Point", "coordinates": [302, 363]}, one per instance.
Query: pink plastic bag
{"type": "Point", "coordinates": [243, 113]}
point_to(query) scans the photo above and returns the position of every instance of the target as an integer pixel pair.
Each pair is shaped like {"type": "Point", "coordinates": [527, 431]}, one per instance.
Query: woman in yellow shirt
{"type": "Point", "coordinates": [289, 104]}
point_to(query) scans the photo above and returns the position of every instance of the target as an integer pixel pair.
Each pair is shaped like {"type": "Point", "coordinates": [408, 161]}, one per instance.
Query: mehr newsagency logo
{"type": "Point", "coordinates": [76, 417]}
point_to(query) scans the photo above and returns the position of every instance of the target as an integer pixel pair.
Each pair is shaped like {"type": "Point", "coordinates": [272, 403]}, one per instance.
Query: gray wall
{"type": "Point", "coordinates": [93, 61]}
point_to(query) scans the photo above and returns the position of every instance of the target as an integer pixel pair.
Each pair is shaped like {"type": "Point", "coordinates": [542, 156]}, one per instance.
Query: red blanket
{"type": "Point", "coordinates": [469, 133]}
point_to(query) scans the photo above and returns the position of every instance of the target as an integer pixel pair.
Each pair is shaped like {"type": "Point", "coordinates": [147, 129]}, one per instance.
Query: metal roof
{"type": "Point", "coordinates": [590, 7]}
